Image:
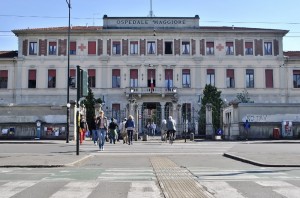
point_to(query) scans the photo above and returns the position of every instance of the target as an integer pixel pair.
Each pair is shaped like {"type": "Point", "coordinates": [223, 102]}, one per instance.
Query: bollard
{"type": "Point", "coordinates": [136, 137]}
{"type": "Point", "coordinates": [145, 137]}
{"type": "Point", "coordinates": [191, 136]}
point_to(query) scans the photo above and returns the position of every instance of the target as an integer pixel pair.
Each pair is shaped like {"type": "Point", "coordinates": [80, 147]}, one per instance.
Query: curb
{"type": "Point", "coordinates": [241, 159]}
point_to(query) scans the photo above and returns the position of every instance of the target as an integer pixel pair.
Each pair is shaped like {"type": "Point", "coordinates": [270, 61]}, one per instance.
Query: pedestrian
{"type": "Point", "coordinates": [164, 130]}
{"type": "Point", "coordinates": [171, 127]}
{"type": "Point", "coordinates": [246, 129]}
{"type": "Point", "coordinates": [102, 125]}
{"type": "Point", "coordinates": [113, 131]}
{"type": "Point", "coordinates": [130, 125]}
{"type": "Point", "coordinates": [148, 128]}
{"type": "Point", "coordinates": [82, 128]}
{"type": "Point", "coordinates": [123, 131]}
{"type": "Point", "coordinates": [93, 127]}
{"type": "Point", "coordinates": [153, 128]}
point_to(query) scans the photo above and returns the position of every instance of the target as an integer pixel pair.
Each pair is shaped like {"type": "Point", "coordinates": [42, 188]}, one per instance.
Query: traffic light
{"type": "Point", "coordinates": [84, 84]}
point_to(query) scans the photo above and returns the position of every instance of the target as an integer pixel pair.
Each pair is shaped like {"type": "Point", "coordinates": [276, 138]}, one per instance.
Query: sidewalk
{"type": "Point", "coordinates": [40, 153]}
{"type": "Point", "coordinates": [279, 153]}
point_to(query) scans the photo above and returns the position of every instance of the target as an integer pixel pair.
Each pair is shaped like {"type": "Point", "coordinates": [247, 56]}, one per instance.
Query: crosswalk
{"type": "Point", "coordinates": [139, 189]}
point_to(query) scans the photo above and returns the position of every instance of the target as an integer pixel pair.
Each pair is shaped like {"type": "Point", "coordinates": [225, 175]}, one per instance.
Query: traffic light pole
{"type": "Point", "coordinates": [77, 109]}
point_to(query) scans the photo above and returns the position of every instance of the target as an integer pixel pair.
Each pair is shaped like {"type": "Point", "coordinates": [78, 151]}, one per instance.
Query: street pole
{"type": "Point", "coordinates": [185, 122]}
{"type": "Point", "coordinates": [77, 110]}
{"type": "Point", "coordinates": [68, 77]}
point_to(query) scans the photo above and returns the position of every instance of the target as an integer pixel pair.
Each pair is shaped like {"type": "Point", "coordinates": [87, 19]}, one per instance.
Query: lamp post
{"type": "Point", "coordinates": [68, 77]}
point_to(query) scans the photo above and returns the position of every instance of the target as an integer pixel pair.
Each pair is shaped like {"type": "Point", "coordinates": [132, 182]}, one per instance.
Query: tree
{"type": "Point", "coordinates": [243, 97]}
{"type": "Point", "coordinates": [213, 96]}
{"type": "Point", "coordinates": [89, 103]}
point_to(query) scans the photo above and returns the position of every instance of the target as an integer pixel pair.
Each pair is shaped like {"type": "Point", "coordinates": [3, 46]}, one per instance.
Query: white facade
{"type": "Point", "coordinates": [186, 57]}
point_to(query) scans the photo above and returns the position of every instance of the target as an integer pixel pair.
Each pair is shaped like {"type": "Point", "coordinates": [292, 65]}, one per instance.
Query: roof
{"type": "Point", "coordinates": [292, 53]}
{"type": "Point", "coordinates": [97, 28]}
{"type": "Point", "coordinates": [8, 54]}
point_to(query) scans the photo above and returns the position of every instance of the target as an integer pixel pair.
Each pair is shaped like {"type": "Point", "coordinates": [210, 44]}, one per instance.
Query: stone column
{"type": "Point", "coordinates": [162, 106]}
{"type": "Point", "coordinates": [209, 127]}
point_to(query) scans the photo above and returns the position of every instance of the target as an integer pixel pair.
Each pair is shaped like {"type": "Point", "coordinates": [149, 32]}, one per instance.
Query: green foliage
{"type": "Point", "coordinates": [243, 97]}
{"type": "Point", "coordinates": [213, 96]}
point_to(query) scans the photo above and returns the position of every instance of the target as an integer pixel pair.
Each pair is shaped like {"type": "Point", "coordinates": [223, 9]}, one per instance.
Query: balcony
{"type": "Point", "coordinates": [148, 91]}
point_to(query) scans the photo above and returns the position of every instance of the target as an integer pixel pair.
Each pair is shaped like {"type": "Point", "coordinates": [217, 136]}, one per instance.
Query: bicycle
{"type": "Point", "coordinates": [171, 136]}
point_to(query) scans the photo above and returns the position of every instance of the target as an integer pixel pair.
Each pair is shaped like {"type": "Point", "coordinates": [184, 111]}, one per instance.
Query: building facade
{"type": "Point", "coordinates": [151, 67]}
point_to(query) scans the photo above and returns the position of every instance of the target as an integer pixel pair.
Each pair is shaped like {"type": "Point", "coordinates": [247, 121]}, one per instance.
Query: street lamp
{"type": "Point", "coordinates": [68, 77]}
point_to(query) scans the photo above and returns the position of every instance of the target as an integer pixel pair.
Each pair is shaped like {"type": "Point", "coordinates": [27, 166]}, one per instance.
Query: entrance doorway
{"type": "Point", "coordinates": [151, 112]}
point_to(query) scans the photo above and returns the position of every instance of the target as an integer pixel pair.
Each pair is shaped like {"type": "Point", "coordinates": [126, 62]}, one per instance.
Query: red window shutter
{"type": "Point", "coordinates": [91, 72]}
{"type": "Point", "coordinates": [296, 72]}
{"type": "Point", "coordinates": [116, 72]}
{"type": "Point", "coordinates": [229, 44]}
{"type": "Point", "coordinates": [72, 72]}
{"type": "Point", "coordinates": [3, 73]}
{"type": "Point", "coordinates": [92, 47]}
{"type": "Point", "coordinates": [210, 71]}
{"type": "Point", "coordinates": [116, 107]}
{"type": "Point", "coordinates": [169, 74]}
{"type": "Point", "coordinates": [185, 71]}
{"type": "Point", "coordinates": [73, 45]}
{"type": "Point", "coordinates": [151, 73]}
{"type": "Point", "coordinates": [209, 44]}
{"type": "Point", "coordinates": [32, 74]}
{"type": "Point", "coordinates": [52, 72]}
{"type": "Point", "coordinates": [248, 44]}
{"type": "Point", "coordinates": [230, 73]}
{"type": "Point", "coordinates": [269, 78]}
{"type": "Point", "coordinates": [133, 74]}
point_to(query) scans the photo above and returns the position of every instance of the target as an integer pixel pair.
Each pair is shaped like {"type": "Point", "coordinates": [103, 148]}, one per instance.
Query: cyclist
{"type": "Point", "coordinates": [171, 129]}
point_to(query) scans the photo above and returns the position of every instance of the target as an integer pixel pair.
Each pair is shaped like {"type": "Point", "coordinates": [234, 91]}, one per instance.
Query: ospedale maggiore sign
{"type": "Point", "coordinates": [150, 22]}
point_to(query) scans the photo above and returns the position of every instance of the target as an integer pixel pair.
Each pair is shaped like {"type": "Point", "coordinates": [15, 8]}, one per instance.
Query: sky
{"type": "Point", "coordinates": [270, 14]}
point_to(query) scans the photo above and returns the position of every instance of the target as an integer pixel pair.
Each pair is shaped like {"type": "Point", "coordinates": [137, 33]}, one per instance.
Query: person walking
{"type": "Point", "coordinates": [102, 125]}
{"type": "Point", "coordinates": [130, 125]}
{"type": "Point", "coordinates": [164, 130]}
{"type": "Point", "coordinates": [171, 128]}
{"type": "Point", "coordinates": [153, 128]}
{"type": "Point", "coordinates": [94, 127]}
{"type": "Point", "coordinates": [83, 128]}
{"type": "Point", "coordinates": [123, 131]}
{"type": "Point", "coordinates": [113, 131]}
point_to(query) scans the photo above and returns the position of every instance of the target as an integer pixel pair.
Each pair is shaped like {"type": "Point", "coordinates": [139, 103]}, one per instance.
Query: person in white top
{"type": "Point", "coordinates": [153, 128]}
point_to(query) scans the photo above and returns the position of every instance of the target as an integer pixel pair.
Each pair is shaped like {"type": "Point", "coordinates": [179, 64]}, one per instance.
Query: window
{"type": "Point", "coordinates": [249, 48]}
{"type": "Point", "coordinates": [151, 47]}
{"type": "Point", "coordinates": [134, 47]}
{"type": "Point", "coordinates": [151, 78]}
{"type": "Point", "coordinates": [210, 77]}
{"type": "Point", "coordinates": [186, 78]}
{"type": "Point", "coordinates": [116, 78]}
{"type": "Point", "coordinates": [72, 79]}
{"type": "Point", "coordinates": [33, 48]}
{"type": "Point", "coordinates": [72, 48]}
{"type": "Point", "coordinates": [268, 48]}
{"type": "Point", "coordinates": [296, 78]}
{"type": "Point", "coordinates": [133, 78]}
{"type": "Point", "coordinates": [51, 78]}
{"type": "Point", "coordinates": [52, 48]}
{"type": "Point", "coordinates": [229, 48]}
{"type": "Point", "coordinates": [32, 78]}
{"type": "Point", "coordinates": [92, 78]}
{"type": "Point", "coordinates": [185, 47]}
{"type": "Point", "coordinates": [249, 78]}
{"type": "Point", "coordinates": [168, 47]}
{"type": "Point", "coordinates": [210, 48]}
{"type": "Point", "coordinates": [116, 48]}
{"type": "Point", "coordinates": [92, 47]}
{"type": "Point", "coordinates": [169, 79]}
{"type": "Point", "coordinates": [269, 78]}
{"type": "Point", "coordinates": [116, 113]}
{"type": "Point", "coordinates": [230, 78]}
{"type": "Point", "coordinates": [3, 78]}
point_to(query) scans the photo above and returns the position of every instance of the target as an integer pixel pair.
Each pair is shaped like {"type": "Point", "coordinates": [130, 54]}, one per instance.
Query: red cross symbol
{"type": "Point", "coordinates": [82, 47]}
{"type": "Point", "coordinates": [220, 47]}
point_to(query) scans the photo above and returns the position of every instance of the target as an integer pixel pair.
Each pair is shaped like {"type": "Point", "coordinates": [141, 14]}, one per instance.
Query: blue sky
{"type": "Point", "coordinates": [274, 14]}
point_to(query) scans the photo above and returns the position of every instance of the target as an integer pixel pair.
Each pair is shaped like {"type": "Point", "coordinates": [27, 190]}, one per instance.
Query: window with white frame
{"type": "Point", "coordinates": [116, 49]}
{"type": "Point", "coordinates": [268, 48]}
{"type": "Point", "coordinates": [248, 48]}
{"type": "Point", "coordinates": [210, 77]}
{"type": "Point", "coordinates": [186, 78]}
{"type": "Point", "coordinates": [229, 48]}
{"type": "Point", "coordinates": [230, 78]}
{"type": "Point", "coordinates": [185, 47]}
{"type": "Point", "coordinates": [52, 47]}
{"type": "Point", "coordinates": [133, 78]}
{"type": "Point", "coordinates": [32, 48]}
{"type": "Point", "coordinates": [151, 47]}
{"type": "Point", "coordinates": [210, 48]}
{"type": "Point", "coordinates": [134, 47]}
{"type": "Point", "coordinates": [249, 78]}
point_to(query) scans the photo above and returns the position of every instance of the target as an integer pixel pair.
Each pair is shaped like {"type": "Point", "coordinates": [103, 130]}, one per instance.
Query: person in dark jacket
{"type": "Point", "coordinates": [130, 125]}
{"type": "Point", "coordinates": [112, 131]}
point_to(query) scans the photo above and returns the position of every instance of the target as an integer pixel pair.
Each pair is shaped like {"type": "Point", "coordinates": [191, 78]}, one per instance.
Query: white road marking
{"type": "Point", "coordinates": [11, 188]}
{"type": "Point", "coordinates": [146, 189]}
{"type": "Point", "coordinates": [76, 190]}
{"type": "Point", "coordinates": [282, 187]}
{"type": "Point", "coordinates": [219, 189]}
